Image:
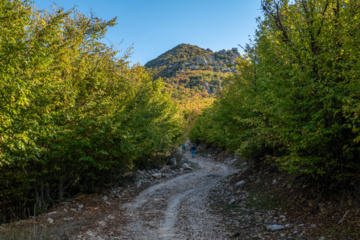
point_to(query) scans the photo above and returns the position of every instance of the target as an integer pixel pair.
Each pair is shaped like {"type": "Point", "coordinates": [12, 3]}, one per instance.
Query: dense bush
{"type": "Point", "coordinates": [72, 114]}
{"type": "Point", "coordinates": [295, 100]}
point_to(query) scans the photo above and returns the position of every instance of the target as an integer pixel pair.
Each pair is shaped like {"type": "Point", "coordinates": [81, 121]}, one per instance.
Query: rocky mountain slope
{"type": "Point", "coordinates": [186, 57]}
{"type": "Point", "coordinates": [192, 74]}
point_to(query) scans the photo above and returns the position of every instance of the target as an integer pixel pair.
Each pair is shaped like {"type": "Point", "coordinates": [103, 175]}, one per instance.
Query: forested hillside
{"type": "Point", "coordinates": [295, 101]}
{"type": "Point", "coordinates": [193, 75]}
{"type": "Point", "coordinates": [73, 116]}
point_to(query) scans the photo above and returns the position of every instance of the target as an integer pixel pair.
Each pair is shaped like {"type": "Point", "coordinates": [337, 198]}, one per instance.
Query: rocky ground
{"type": "Point", "coordinates": [214, 196]}
{"type": "Point", "coordinates": [166, 203]}
{"type": "Point", "coordinates": [263, 203]}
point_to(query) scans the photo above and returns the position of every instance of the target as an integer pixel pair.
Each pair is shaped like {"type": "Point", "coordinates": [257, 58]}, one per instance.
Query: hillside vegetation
{"type": "Point", "coordinates": [193, 75]}
{"type": "Point", "coordinates": [73, 116]}
{"type": "Point", "coordinates": [295, 101]}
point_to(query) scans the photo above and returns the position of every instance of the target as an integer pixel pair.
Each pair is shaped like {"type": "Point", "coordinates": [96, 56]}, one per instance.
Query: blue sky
{"type": "Point", "coordinates": [155, 26]}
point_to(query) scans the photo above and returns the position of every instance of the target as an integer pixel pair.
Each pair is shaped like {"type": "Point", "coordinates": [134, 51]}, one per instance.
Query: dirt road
{"type": "Point", "coordinates": [177, 208]}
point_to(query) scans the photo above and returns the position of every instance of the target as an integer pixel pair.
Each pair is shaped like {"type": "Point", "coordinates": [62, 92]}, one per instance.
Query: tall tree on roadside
{"type": "Point", "coordinates": [305, 98]}
{"type": "Point", "coordinates": [73, 115]}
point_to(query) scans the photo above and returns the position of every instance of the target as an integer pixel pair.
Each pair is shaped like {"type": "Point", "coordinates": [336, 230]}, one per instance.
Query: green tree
{"type": "Point", "coordinates": [297, 90]}
{"type": "Point", "coordinates": [74, 116]}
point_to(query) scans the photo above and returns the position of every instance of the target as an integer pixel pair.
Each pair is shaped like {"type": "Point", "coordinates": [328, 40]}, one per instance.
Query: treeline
{"type": "Point", "coordinates": [295, 101]}
{"type": "Point", "coordinates": [73, 115]}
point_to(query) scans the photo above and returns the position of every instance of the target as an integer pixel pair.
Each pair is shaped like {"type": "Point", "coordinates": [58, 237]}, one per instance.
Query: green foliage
{"type": "Point", "coordinates": [180, 53]}
{"type": "Point", "coordinates": [295, 99]}
{"type": "Point", "coordinates": [72, 114]}
{"type": "Point", "coordinates": [193, 76]}
{"type": "Point", "coordinates": [186, 57]}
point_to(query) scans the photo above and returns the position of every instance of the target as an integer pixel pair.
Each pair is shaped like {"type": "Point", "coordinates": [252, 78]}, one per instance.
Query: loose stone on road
{"type": "Point", "coordinates": [177, 208]}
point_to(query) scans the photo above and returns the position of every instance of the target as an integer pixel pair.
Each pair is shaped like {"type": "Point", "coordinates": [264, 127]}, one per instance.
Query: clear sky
{"type": "Point", "coordinates": [154, 26]}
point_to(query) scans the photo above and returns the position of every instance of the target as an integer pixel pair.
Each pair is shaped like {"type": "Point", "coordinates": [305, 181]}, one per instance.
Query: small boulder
{"type": "Point", "coordinates": [102, 223]}
{"type": "Point", "coordinates": [157, 175]}
{"type": "Point", "coordinates": [240, 183]}
{"type": "Point", "coordinates": [289, 225]}
{"type": "Point", "coordinates": [275, 227]}
{"type": "Point", "coordinates": [187, 167]}
{"type": "Point", "coordinates": [138, 183]}
{"type": "Point", "coordinates": [141, 172]}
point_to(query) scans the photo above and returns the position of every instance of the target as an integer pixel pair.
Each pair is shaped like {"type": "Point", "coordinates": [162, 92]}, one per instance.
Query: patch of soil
{"type": "Point", "coordinates": [77, 218]}
{"type": "Point", "coordinates": [260, 196]}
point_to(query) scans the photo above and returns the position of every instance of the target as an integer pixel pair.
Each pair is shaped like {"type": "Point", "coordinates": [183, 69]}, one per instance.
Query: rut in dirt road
{"type": "Point", "coordinates": [177, 208]}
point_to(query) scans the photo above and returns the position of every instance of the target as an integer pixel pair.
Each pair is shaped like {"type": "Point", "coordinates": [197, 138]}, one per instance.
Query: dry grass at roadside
{"type": "Point", "coordinates": [32, 232]}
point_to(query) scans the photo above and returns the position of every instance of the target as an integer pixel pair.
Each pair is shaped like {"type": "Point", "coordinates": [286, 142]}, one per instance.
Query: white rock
{"type": "Point", "coordinates": [102, 223]}
{"type": "Point", "coordinates": [105, 198]}
{"type": "Point", "coordinates": [90, 233]}
{"type": "Point", "coordinates": [275, 227]}
{"type": "Point", "coordinates": [81, 206]}
{"type": "Point", "coordinates": [238, 184]}
{"type": "Point", "coordinates": [157, 175]}
{"type": "Point", "coordinates": [68, 219]}
{"type": "Point", "coordinates": [50, 220]}
{"type": "Point", "coordinates": [187, 167]}
{"type": "Point", "coordinates": [289, 225]}
{"type": "Point", "coordinates": [322, 238]}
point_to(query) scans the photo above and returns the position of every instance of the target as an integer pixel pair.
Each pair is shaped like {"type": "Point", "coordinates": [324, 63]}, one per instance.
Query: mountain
{"type": "Point", "coordinates": [186, 57]}
{"type": "Point", "coordinates": [193, 74]}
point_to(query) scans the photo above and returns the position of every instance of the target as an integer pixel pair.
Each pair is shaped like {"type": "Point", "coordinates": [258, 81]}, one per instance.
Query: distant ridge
{"type": "Point", "coordinates": [186, 57]}
{"type": "Point", "coordinates": [193, 75]}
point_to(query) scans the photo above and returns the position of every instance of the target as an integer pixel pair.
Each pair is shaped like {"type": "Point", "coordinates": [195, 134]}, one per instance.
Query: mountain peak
{"type": "Point", "coordinates": [187, 57]}
{"type": "Point", "coordinates": [181, 52]}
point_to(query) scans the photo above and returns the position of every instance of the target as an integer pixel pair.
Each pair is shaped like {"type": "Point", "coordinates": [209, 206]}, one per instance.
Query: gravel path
{"type": "Point", "coordinates": [177, 208]}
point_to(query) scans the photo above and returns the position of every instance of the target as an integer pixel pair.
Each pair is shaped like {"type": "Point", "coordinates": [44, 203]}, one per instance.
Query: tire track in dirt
{"type": "Point", "coordinates": [177, 208]}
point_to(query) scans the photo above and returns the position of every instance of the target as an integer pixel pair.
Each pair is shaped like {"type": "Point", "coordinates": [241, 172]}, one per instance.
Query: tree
{"type": "Point", "coordinates": [298, 88]}
{"type": "Point", "coordinates": [74, 116]}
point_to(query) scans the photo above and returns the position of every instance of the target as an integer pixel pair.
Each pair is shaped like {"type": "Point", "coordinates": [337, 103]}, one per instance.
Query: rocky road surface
{"type": "Point", "coordinates": [177, 208]}
{"type": "Point", "coordinates": [207, 200]}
